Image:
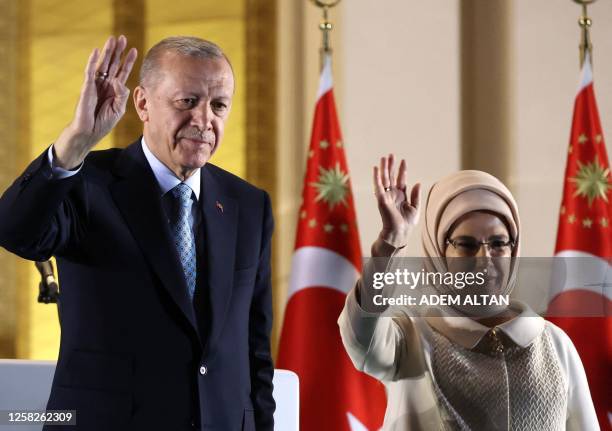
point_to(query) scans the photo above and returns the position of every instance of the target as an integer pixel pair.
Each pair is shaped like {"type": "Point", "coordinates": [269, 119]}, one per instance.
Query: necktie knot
{"type": "Point", "coordinates": [182, 193]}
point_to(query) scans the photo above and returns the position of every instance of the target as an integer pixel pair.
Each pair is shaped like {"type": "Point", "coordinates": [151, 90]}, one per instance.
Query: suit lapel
{"type": "Point", "coordinates": [220, 223]}
{"type": "Point", "coordinates": [138, 198]}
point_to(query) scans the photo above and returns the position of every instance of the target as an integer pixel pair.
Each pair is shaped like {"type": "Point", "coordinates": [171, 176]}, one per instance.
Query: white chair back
{"type": "Point", "coordinates": [287, 397]}
{"type": "Point", "coordinates": [25, 385]}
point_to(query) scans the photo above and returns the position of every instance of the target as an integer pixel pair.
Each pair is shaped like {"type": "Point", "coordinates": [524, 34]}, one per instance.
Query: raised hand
{"type": "Point", "coordinates": [399, 211]}
{"type": "Point", "coordinates": [101, 103]}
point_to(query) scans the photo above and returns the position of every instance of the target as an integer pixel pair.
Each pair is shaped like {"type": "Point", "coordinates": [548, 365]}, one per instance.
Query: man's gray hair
{"type": "Point", "coordinates": [184, 45]}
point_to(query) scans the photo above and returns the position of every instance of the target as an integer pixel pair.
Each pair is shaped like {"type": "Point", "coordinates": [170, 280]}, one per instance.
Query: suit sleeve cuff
{"type": "Point", "coordinates": [60, 173]}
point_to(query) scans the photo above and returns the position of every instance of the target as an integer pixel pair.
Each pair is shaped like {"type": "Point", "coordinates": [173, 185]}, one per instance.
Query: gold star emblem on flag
{"type": "Point", "coordinates": [332, 186]}
{"type": "Point", "coordinates": [591, 181]}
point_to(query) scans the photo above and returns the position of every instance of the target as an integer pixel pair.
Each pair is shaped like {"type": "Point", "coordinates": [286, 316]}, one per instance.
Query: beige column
{"type": "Point", "coordinates": [487, 93]}
{"type": "Point", "coordinates": [290, 137]}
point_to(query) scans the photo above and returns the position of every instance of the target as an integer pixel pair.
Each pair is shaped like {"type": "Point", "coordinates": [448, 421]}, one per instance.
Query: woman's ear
{"type": "Point", "coordinates": [140, 103]}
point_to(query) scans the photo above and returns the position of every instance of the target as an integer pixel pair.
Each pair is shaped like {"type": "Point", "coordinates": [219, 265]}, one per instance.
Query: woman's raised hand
{"type": "Point", "coordinates": [398, 209]}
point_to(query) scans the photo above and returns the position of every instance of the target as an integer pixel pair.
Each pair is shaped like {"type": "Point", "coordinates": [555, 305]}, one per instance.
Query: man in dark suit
{"type": "Point", "coordinates": [164, 259]}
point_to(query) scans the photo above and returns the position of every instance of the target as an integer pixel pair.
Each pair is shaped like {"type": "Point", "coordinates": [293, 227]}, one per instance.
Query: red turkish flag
{"type": "Point", "coordinates": [326, 263]}
{"type": "Point", "coordinates": [585, 235]}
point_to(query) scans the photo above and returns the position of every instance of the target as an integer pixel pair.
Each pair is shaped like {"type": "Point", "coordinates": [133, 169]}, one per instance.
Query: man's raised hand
{"type": "Point", "coordinates": [101, 103]}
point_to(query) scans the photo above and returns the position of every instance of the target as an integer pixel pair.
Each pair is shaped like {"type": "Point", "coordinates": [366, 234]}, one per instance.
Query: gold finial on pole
{"type": "Point", "coordinates": [585, 24]}
{"type": "Point", "coordinates": [325, 25]}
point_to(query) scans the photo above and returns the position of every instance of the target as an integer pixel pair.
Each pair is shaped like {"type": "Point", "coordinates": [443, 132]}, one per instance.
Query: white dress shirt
{"type": "Point", "coordinates": [166, 179]}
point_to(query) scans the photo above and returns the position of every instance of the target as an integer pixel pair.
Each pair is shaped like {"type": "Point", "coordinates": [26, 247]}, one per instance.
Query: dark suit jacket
{"type": "Point", "coordinates": [135, 353]}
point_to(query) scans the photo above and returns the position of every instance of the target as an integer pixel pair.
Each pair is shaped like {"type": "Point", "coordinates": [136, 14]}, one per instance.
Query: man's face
{"type": "Point", "coordinates": [184, 108]}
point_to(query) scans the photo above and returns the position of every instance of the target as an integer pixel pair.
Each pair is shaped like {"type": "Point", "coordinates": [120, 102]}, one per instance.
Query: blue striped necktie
{"type": "Point", "coordinates": [182, 234]}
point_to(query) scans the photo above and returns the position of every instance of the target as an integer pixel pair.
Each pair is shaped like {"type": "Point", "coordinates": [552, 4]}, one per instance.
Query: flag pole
{"type": "Point", "coordinates": [585, 24]}
{"type": "Point", "coordinates": [325, 26]}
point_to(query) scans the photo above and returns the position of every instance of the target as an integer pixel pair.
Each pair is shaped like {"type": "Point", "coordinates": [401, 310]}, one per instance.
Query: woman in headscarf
{"type": "Point", "coordinates": [491, 367]}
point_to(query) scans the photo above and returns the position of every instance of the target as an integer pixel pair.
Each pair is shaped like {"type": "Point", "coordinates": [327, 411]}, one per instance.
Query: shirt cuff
{"type": "Point", "coordinates": [61, 173]}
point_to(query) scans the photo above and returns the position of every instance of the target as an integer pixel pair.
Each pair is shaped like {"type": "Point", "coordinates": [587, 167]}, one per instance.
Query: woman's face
{"type": "Point", "coordinates": [465, 250]}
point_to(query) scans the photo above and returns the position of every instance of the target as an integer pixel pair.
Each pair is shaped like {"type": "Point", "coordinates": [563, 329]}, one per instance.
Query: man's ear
{"type": "Point", "coordinates": [140, 103]}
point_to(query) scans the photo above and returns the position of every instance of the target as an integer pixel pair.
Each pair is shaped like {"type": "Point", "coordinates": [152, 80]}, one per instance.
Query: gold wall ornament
{"type": "Point", "coordinates": [585, 23]}
{"type": "Point", "coordinates": [324, 4]}
{"type": "Point", "coordinates": [325, 25]}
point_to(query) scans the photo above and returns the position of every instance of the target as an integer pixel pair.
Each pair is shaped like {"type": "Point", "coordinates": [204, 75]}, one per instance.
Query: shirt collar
{"type": "Point", "coordinates": [522, 329]}
{"type": "Point", "coordinates": [166, 179]}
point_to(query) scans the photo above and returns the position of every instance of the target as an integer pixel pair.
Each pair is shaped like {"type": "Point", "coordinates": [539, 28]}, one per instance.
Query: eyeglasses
{"type": "Point", "coordinates": [469, 246]}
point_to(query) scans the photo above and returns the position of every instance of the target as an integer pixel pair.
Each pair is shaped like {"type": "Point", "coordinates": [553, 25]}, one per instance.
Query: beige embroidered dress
{"type": "Point", "coordinates": [454, 373]}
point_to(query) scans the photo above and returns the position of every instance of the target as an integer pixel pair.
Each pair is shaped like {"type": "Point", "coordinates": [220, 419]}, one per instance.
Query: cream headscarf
{"type": "Point", "coordinates": [456, 195]}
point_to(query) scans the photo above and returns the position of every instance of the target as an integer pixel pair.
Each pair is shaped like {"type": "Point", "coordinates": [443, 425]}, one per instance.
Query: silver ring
{"type": "Point", "coordinates": [102, 75]}
{"type": "Point", "coordinates": [388, 189]}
